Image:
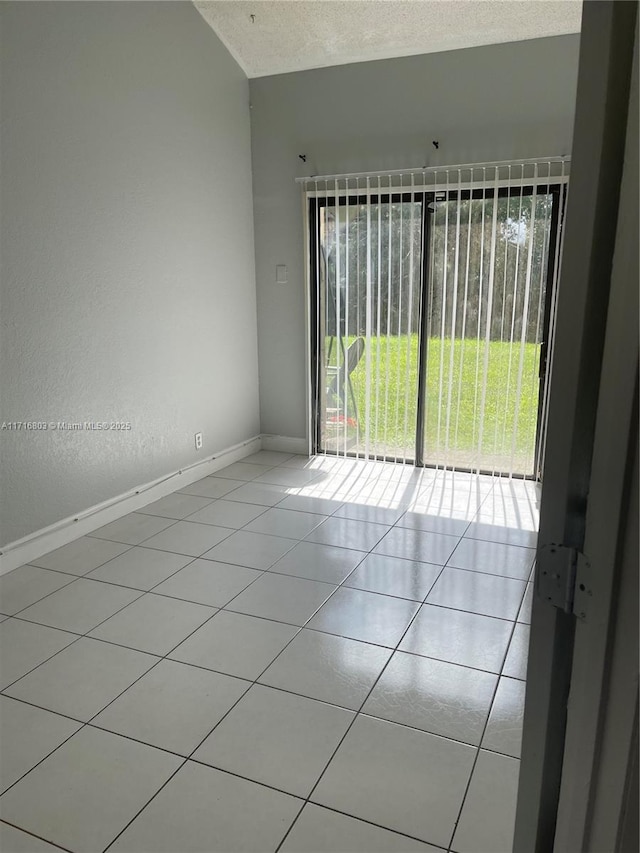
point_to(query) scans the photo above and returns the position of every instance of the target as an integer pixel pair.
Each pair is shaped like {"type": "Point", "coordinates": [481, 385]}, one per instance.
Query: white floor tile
{"type": "Point", "coordinates": [268, 457]}
{"type": "Point", "coordinates": [28, 584]}
{"type": "Point", "coordinates": [392, 472]}
{"type": "Point", "coordinates": [252, 550]}
{"type": "Point", "coordinates": [80, 680]}
{"type": "Point", "coordinates": [513, 517]}
{"type": "Point", "coordinates": [494, 558]}
{"type": "Point", "coordinates": [432, 523]}
{"type": "Point", "coordinates": [80, 606]}
{"type": "Point", "coordinates": [502, 533]}
{"type": "Point", "coordinates": [285, 476]}
{"type": "Point", "coordinates": [379, 774]}
{"type": "Point", "coordinates": [27, 735]}
{"type": "Point", "coordinates": [418, 545]}
{"type": "Point", "coordinates": [321, 830]}
{"type": "Point", "coordinates": [365, 616]}
{"type": "Point", "coordinates": [309, 503]}
{"type": "Point", "coordinates": [520, 492]}
{"type": "Point", "coordinates": [384, 493]}
{"type": "Point", "coordinates": [488, 595]}
{"type": "Point", "coordinates": [107, 780]}
{"type": "Point", "coordinates": [13, 840]}
{"type": "Point", "coordinates": [299, 460]}
{"type": "Point", "coordinates": [235, 644]}
{"type": "Point", "coordinates": [330, 463]}
{"type": "Point", "coordinates": [177, 505]}
{"type": "Point", "coordinates": [488, 816]}
{"type": "Point", "coordinates": [140, 568]}
{"type": "Point", "coordinates": [25, 645]}
{"type": "Point", "coordinates": [185, 537]}
{"type": "Point", "coordinates": [441, 698]}
{"type": "Point", "coordinates": [225, 513]}
{"type": "Point", "coordinates": [174, 706]}
{"type": "Point", "coordinates": [504, 729]}
{"type": "Point", "coordinates": [80, 556]}
{"type": "Point", "coordinates": [132, 529]}
{"type": "Point", "coordinates": [458, 637]}
{"type": "Point", "coordinates": [331, 669]}
{"type": "Point", "coordinates": [518, 489]}
{"type": "Point", "coordinates": [318, 562]}
{"type": "Point", "coordinates": [286, 522]}
{"type": "Point", "coordinates": [208, 582]}
{"type": "Point", "coordinates": [244, 471]}
{"type": "Point", "coordinates": [336, 491]}
{"type": "Point", "coordinates": [263, 494]}
{"type": "Point", "coordinates": [202, 809]}
{"type": "Point", "coordinates": [515, 665]}
{"type": "Point", "coordinates": [393, 576]}
{"type": "Point", "coordinates": [447, 504]}
{"type": "Point", "coordinates": [153, 624]}
{"type": "Point", "coordinates": [276, 738]}
{"type": "Point", "coordinates": [371, 513]}
{"type": "Point", "coordinates": [443, 496]}
{"type": "Point", "coordinates": [432, 510]}
{"type": "Point", "coordinates": [212, 487]}
{"type": "Point", "coordinates": [346, 533]}
{"type": "Point", "coordinates": [282, 598]}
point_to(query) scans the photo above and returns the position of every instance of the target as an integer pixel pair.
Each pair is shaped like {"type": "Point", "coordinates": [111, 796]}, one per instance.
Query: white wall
{"type": "Point", "coordinates": [490, 103]}
{"type": "Point", "coordinates": [128, 289]}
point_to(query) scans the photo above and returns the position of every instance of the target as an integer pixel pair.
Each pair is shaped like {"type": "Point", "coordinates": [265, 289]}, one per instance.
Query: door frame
{"type": "Point", "coordinates": [592, 418]}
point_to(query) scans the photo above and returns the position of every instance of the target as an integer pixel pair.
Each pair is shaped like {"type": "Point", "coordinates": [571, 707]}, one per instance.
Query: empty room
{"type": "Point", "coordinates": [319, 426]}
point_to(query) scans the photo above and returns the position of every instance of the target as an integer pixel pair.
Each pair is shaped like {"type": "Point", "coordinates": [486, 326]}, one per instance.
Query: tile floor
{"type": "Point", "coordinates": [292, 655]}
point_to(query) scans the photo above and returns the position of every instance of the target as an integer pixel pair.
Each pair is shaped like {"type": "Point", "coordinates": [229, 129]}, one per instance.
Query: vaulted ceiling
{"type": "Point", "coordinates": [268, 37]}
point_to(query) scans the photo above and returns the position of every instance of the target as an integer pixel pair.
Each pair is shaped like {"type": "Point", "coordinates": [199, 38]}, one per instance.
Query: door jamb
{"type": "Point", "coordinates": [599, 137]}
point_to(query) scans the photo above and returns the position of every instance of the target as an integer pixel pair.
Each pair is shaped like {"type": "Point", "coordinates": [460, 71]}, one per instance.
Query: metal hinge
{"type": "Point", "coordinates": [563, 579]}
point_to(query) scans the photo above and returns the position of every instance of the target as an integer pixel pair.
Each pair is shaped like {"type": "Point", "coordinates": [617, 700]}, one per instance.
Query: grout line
{"type": "Point", "coordinates": [361, 820]}
{"type": "Point", "coordinates": [33, 835]}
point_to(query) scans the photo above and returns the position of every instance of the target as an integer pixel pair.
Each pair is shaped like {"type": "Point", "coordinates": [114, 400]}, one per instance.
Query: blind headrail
{"type": "Point", "coordinates": [424, 170]}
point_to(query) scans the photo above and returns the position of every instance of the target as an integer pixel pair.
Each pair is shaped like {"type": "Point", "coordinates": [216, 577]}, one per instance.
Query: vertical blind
{"type": "Point", "coordinates": [433, 296]}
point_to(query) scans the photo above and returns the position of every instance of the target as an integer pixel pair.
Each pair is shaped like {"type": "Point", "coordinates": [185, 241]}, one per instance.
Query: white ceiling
{"type": "Point", "coordinates": [293, 35]}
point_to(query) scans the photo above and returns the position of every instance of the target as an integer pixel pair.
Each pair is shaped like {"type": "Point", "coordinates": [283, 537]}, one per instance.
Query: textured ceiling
{"type": "Point", "coordinates": [293, 35]}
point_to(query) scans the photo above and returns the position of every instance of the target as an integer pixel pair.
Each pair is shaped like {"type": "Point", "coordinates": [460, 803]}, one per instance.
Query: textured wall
{"type": "Point", "coordinates": [127, 265]}
{"type": "Point", "coordinates": [489, 103]}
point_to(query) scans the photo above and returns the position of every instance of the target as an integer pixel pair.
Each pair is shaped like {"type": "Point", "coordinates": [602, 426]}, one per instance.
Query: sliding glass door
{"type": "Point", "coordinates": [485, 322]}
{"type": "Point", "coordinates": [431, 312]}
{"type": "Point", "coordinates": [368, 268]}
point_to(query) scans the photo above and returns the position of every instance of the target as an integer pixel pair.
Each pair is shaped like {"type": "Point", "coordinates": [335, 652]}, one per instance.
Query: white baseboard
{"type": "Point", "coordinates": [285, 444]}
{"type": "Point", "coordinates": [62, 532]}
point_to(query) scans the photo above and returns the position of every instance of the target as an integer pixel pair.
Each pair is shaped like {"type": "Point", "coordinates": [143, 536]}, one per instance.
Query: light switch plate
{"type": "Point", "coordinates": [281, 274]}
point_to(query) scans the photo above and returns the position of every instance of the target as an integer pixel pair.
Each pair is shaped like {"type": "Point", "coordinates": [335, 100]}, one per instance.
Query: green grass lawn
{"type": "Point", "coordinates": [455, 377]}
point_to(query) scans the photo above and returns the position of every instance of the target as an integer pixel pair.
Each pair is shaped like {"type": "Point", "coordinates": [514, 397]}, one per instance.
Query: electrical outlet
{"type": "Point", "coordinates": [198, 439]}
